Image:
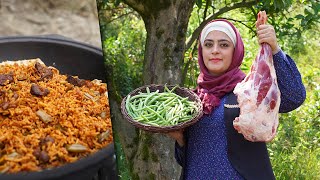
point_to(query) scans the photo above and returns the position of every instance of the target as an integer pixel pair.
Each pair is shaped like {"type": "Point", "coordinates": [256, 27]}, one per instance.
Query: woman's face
{"type": "Point", "coordinates": [217, 52]}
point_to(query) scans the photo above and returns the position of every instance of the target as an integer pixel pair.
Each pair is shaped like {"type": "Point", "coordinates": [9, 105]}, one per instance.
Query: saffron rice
{"type": "Point", "coordinates": [80, 117]}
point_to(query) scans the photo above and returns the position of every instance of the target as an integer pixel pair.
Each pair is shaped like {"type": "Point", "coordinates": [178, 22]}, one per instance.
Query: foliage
{"type": "Point", "coordinates": [123, 37]}
{"type": "Point", "coordinates": [295, 153]}
{"type": "Point", "coordinates": [123, 44]}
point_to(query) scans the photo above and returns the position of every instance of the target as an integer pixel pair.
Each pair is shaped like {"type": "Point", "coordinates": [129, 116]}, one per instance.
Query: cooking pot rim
{"type": "Point", "coordinates": [69, 168]}
{"type": "Point", "coordinates": [51, 38]}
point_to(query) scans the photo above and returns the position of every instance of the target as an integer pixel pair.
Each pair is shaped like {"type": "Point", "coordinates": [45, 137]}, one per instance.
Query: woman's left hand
{"type": "Point", "coordinates": [178, 136]}
{"type": "Point", "coordinates": [267, 34]}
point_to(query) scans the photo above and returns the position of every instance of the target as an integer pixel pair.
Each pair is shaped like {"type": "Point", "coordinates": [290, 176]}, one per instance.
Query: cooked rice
{"type": "Point", "coordinates": [76, 118]}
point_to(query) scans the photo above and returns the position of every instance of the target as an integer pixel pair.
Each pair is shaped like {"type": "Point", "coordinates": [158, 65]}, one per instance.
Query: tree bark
{"type": "Point", "coordinates": [151, 155]}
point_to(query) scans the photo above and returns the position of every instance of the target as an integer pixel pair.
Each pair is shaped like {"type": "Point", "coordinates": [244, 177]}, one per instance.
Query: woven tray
{"type": "Point", "coordinates": [183, 92]}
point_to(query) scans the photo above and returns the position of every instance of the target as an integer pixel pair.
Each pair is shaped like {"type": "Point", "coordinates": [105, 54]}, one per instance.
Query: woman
{"type": "Point", "coordinates": [211, 148]}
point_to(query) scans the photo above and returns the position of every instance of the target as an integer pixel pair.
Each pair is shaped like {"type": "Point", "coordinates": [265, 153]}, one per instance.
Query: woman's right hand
{"type": "Point", "coordinates": [266, 32]}
{"type": "Point", "coordinates": [178, 136]}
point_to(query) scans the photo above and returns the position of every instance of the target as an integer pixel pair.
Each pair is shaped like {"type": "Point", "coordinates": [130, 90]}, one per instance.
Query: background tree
{"type": "Point", "coordinates": [170, 30]}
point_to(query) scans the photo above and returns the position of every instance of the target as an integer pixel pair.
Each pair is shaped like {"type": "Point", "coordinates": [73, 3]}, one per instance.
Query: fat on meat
{"type": "Point", "coordinates": [258, 96]}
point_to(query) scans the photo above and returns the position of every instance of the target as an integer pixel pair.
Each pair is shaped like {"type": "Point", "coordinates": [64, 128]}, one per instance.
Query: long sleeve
{"type": "Point", "coordinates": [293, 92]}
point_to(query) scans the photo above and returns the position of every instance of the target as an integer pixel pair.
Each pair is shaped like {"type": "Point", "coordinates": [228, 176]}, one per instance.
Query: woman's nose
{"type": "Point", "coordinates": [215, 49]}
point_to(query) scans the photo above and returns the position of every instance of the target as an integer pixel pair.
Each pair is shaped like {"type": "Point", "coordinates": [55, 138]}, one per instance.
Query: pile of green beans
{"type": "Point", "coordinates": [160, 108]}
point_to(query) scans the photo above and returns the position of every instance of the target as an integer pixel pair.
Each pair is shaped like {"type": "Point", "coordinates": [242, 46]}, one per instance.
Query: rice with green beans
{"type": "Point", "coordinates": [160, 108]}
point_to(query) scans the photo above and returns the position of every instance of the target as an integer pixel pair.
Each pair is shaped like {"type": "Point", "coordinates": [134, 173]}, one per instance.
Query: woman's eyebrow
{"type": "Point", "coordinates": [220, 40]}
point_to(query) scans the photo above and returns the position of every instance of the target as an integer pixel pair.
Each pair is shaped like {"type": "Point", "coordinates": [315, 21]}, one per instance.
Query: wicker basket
{"type": "Point", "coordinates": [183, 92]}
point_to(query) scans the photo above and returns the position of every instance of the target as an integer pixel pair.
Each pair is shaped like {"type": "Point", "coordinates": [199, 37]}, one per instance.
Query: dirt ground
{"type": "Point", "coordinates": [76, 19]}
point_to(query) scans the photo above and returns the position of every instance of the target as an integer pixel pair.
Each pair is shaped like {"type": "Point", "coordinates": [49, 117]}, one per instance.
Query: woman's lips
{"type": "Point", "coordinates": [215, 59]}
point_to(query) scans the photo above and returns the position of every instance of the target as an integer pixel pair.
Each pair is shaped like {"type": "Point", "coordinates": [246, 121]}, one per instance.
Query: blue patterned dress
{"type": "Point", "coordinates": [206, 154]}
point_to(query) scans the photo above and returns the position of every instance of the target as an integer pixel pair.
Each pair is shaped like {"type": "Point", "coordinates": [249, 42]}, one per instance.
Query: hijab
{"type": "Point", "coordinates": [211, 88]}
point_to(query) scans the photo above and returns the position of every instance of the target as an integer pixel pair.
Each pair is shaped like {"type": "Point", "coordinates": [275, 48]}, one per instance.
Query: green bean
{"type": "Point", "coordinates": [140, 103]}
{"type": "Point", "coordinates": [151, 95]}
{"type": "Point", "coordinates": [160, 109]}
{"type": "Point", "coordinates": [127, 103]}
{"type": "Point", "coordinates": [151, 123]}
{"type": "Point", "coordinates": [131, 111]}
{"type": "Point", "coordinates": [155, 98]}
{"type": "Point", "coordinates": [166, 88]}
{"type": "Point", "coordinates": [174, 88]}
{"type": "Point", "coordinates": [138, 96]}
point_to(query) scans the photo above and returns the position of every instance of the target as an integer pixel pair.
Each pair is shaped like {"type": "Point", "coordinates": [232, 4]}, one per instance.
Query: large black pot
{"type": "Point", "coordinates": [74, 58]}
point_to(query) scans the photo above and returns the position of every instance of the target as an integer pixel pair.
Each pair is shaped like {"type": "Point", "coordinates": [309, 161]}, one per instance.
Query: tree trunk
{"type": "Point", "coordinates": [166, 34]}
{"type": "Point", "coordinates": [151, 155]}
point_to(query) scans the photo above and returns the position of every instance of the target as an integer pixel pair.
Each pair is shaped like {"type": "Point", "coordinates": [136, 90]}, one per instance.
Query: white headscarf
{"type": "Point", "coordinates": [219, 26]}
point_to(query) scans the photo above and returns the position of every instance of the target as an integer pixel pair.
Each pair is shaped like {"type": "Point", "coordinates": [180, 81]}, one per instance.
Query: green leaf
{"type": "Point", "coordinates": [277, 4]}
{"type": "Point", "coordinates": [306, 11]}
{"type": "Point", "coordinates": [288, 26]}
{"type": "Point", "coordinates": [316, 8]}
{"type": "Point", "coordinates": [267, 3]}
{"type": "Point", "coordinates": [290, 19]}
{"type": "Point", "coordinates": [199, 3]}
{"type": "Point", "coordinates": [117, 2]}
{"type": "Point", "coordinates": [299, 16]}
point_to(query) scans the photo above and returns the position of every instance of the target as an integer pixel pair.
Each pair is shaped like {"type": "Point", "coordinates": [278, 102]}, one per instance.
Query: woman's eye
{"type": "Point", "coordinates": [224, 45]}
{"type": "Point", "coordinates": [208, 44]}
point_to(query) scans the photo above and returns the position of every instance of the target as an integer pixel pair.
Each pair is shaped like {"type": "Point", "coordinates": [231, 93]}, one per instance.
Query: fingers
{"type": "Point", "coordinates": [266, 31]}
{"type": "Point", "coordinates": [265, 26]}
{"type": "Point", "coordinates": [267, 34]}
{"type": "Point", "coordinates": [175, 134]}
{"type": "Point", "coordinates": [267, 38]}
{"type": "Point", "coordinates": [178, 136]}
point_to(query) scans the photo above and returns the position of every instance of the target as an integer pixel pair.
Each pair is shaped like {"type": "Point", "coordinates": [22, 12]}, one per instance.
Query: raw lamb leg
{"type": "Point", "coordinates": [258, 96]}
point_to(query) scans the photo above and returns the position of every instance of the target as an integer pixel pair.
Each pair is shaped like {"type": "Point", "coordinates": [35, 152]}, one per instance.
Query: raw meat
{"type": "Point", "coordinates": [258, 96]}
